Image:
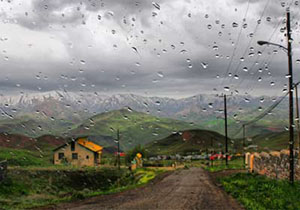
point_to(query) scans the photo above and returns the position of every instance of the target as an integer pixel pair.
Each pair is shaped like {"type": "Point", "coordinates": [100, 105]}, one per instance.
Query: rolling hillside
{"type": "Point", "coordinates": [34, 125]}
{"type": "Point", "coordinates": [272, 140]}
{"type": "Point", "coordinates": [43, 143]}
{"type": "Point", "coordinates": [187, 141]}
{"type": "Point", "coordinates": [22, 150]}
{"type": "Point", "coordinates": [135, 128]}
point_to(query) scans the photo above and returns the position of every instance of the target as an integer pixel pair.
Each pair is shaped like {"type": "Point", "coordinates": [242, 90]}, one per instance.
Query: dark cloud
{"type": "Point", "coordinates": [172, 46]}
{"type": "Point", "coordinates": [47, 12]}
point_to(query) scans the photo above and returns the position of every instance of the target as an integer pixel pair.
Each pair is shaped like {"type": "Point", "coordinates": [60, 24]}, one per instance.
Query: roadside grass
{"type": "Point", "coordinates": [28, 188]}
{"type": "Point", "coordinates": [160, 163]}
{"type": "Point", "coordinates": [220, 165]}
{"type": "Point", "coordinates": [257, 192]}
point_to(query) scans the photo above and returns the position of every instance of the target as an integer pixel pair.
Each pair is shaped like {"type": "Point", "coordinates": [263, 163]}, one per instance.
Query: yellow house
{"type": "Point", "coordinates": [80, 152]}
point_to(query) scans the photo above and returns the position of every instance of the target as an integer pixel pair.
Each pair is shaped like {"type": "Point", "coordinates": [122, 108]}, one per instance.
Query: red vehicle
{"type": "Point", "coordinates": [218, 157]}
{"type": "Point", "coordinates": [122, 154]}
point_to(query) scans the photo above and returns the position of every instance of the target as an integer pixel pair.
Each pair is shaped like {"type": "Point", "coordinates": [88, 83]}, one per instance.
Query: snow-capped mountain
{"type": "Point", "coordinates": [63, 110]}
{"type": "Point", "coordinates": [94, 103]}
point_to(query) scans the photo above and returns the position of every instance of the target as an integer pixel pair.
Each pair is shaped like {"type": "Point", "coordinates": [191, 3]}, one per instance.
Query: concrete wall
{"type": "Point", "coordinates": [82, 156]}
{"type": "Point", "coordinates": [272, 164]}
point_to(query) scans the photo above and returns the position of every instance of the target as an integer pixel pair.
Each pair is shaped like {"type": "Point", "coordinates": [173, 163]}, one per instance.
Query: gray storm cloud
{"type": "Point", "coordinates": [166, 48]}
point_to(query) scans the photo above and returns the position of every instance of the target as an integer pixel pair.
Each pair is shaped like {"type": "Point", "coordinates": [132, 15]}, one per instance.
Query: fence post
{"type": "Point", "coordinates": [3, 170]}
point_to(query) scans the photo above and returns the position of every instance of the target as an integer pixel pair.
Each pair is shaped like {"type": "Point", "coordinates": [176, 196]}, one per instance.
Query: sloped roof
{"type": "Point", "coordinates": [84, 142]}
{"type": "Point", "coordinates": [89, 145]}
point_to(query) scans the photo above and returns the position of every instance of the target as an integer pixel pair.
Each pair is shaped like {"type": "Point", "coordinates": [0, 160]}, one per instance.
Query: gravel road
{"type": "Point", "coordinates": [183, 189]}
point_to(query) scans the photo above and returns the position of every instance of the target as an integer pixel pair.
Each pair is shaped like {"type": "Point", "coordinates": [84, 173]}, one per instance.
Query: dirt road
{"type": "Point", "coordinates": [184, 189]}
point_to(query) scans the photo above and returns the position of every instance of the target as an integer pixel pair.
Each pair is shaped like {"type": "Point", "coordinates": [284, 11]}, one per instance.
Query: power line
{"type": "Point", "coordinates": [270, 60]}
{"type": "Point", "coordinates": [236, 43]}
{"type": "Point", "coordinates": [250, 70]}
{"type": "Point", "coordinates": [267, 111]}
{"type": "Point", "coordinates": [263, 114]}
{"type": "Point", "coordinates": [255, 30]}
{"type": "Point", "coordinates": [265, 47]}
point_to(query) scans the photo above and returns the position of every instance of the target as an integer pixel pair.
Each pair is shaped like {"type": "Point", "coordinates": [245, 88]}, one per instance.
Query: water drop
{"type": "Point", "coordinates": [234, 25]}
{"type": "Point", "coordinates": [215, 47]}
{"type": "Point", "coordinates": [156, 5]}
{"type": "Point", "coordinates": [183, 51]}
{"type": "Point", "coordinates": [204, 65]}
{"type": "Point", "coordinates": [160, 74]}
{"type": "Point", "coordinates": [134, 49]}
{"type": "Point", "coordinates": [226, 88]}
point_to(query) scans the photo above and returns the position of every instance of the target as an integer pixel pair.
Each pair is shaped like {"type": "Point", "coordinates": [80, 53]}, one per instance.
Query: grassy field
{"type": "Point", "coordinates": [19, 157]}
{"type": "Point", "coordinates": [32, 187]}
{"type": "Point", "coordinates": [258, 192]}
{"type": "Point", "coordinates": [219, 165]}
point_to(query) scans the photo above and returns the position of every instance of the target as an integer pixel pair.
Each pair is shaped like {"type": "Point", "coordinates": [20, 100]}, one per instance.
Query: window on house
{"type": "Point", "coordinates": [73, 146]}
{"type": "Point", "coordinates": [74, 156]}
{"type": "Point", "coordinates": [87, 157]}
{"type": "Point", "coordinates": [61, 155]}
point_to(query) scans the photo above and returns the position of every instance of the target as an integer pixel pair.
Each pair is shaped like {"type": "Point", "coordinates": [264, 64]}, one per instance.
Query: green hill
{"type": "Point", "coordinates": [187, 141]}
{"type": "Point", "coordinates": [135, 128]}
{"type": "Point", "coordinates": [23, 157]}
{"type": "Point", "coordinates": [272, 140]}
{"type": "Point", "coordinates": [34, 125]}
{"type": "Point", "coordinates": [267, 141]}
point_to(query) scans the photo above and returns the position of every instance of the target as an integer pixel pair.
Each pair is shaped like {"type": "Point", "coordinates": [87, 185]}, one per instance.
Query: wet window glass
{"type": "Point", "coordinates": [102, 96]}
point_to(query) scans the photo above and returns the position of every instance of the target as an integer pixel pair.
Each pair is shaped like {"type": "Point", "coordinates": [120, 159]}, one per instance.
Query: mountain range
{"type": "Point", "coordinates": [60, 112]}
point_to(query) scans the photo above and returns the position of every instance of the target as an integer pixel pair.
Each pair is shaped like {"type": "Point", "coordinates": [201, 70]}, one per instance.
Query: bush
{"type": "Point", "coordinates": [130, 155]}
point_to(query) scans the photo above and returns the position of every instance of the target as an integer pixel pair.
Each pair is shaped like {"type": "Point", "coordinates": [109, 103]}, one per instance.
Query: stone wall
{"type": "Point", "coordinates": [272, 164]}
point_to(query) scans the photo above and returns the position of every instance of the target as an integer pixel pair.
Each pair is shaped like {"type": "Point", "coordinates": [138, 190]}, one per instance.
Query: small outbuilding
{"type": "Point", "coordinates": [79, 152]}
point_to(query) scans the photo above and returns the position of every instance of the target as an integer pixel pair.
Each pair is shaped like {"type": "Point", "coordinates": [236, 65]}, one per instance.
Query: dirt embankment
{"type": "Point", "coordinates": [183, 189]}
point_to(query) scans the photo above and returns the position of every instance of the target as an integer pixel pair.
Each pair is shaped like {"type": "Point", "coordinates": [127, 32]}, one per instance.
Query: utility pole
{"type": "Point", "coordinates": [297, 115]}
{"type": "Point", "coordinates": [244, 142]}
{"type": "Point", "coordinates": [291, 111]}
{"type": "Point", "coordinates": [226, 134]}
{"type": "Point", "coordinates": [118, 139]}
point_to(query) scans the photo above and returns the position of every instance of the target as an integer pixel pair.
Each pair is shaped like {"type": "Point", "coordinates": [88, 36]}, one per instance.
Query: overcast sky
{"type": "Point", "coordinates": [174, 48]}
